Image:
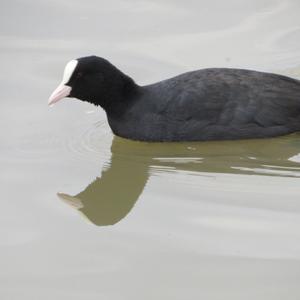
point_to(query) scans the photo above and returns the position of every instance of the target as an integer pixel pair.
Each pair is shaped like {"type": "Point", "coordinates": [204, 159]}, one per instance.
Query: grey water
{"type": "Point", "coordinates": [87, 215]}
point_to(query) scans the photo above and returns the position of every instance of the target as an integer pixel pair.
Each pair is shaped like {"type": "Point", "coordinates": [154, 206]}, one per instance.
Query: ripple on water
{"type": "Point", "coordinates": [91, 143]}
{"type": "Point", "coordinates": [273, 157]}
{"type": "Point", "coordinates": [83, 142]}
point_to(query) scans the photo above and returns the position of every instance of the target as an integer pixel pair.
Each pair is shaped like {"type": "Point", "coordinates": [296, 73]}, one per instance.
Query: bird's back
{"type": "Point", "coordinates": [216, 104]}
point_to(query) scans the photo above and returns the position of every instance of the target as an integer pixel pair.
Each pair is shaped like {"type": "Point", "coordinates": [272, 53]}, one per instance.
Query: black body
{"type": "Point", "coordinates": [209, 104]}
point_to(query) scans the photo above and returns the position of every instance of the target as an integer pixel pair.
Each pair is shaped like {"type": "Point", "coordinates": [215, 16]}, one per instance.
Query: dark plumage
{"type": "Point", "coordinates": [208, 104]}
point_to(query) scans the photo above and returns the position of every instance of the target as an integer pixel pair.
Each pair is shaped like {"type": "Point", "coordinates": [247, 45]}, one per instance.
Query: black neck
{"type": "Point", "coordinates": [112, 89]}
{"type": "Point", "coordinates": [120, 94]}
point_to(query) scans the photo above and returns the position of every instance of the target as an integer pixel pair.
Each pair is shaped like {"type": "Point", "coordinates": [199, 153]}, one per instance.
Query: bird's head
{"type": "Point", "coordinates": [92, 79]}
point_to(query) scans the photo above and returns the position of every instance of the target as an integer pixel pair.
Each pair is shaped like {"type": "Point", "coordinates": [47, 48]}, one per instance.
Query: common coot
{"type": "Point", "coordinates": [208, 104]}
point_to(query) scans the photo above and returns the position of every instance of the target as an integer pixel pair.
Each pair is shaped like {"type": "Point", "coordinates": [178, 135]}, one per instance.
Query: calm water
{"type": "Point", "coordinates": [86, 215]}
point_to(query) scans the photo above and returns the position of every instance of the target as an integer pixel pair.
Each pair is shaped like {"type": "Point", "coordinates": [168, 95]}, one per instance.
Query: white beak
{"type": "Point", "coordinates": [59, 93]}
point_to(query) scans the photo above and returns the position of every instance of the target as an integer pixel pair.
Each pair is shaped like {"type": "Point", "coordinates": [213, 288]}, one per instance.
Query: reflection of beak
{"type": "Point", "coordinates": [60, 92]}
{"type": "Point", "coordinates": [70, 200]}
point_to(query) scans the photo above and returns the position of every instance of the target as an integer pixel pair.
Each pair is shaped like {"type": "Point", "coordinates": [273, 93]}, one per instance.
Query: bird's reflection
{"type": "Point", "coordinates": [110, 197]}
